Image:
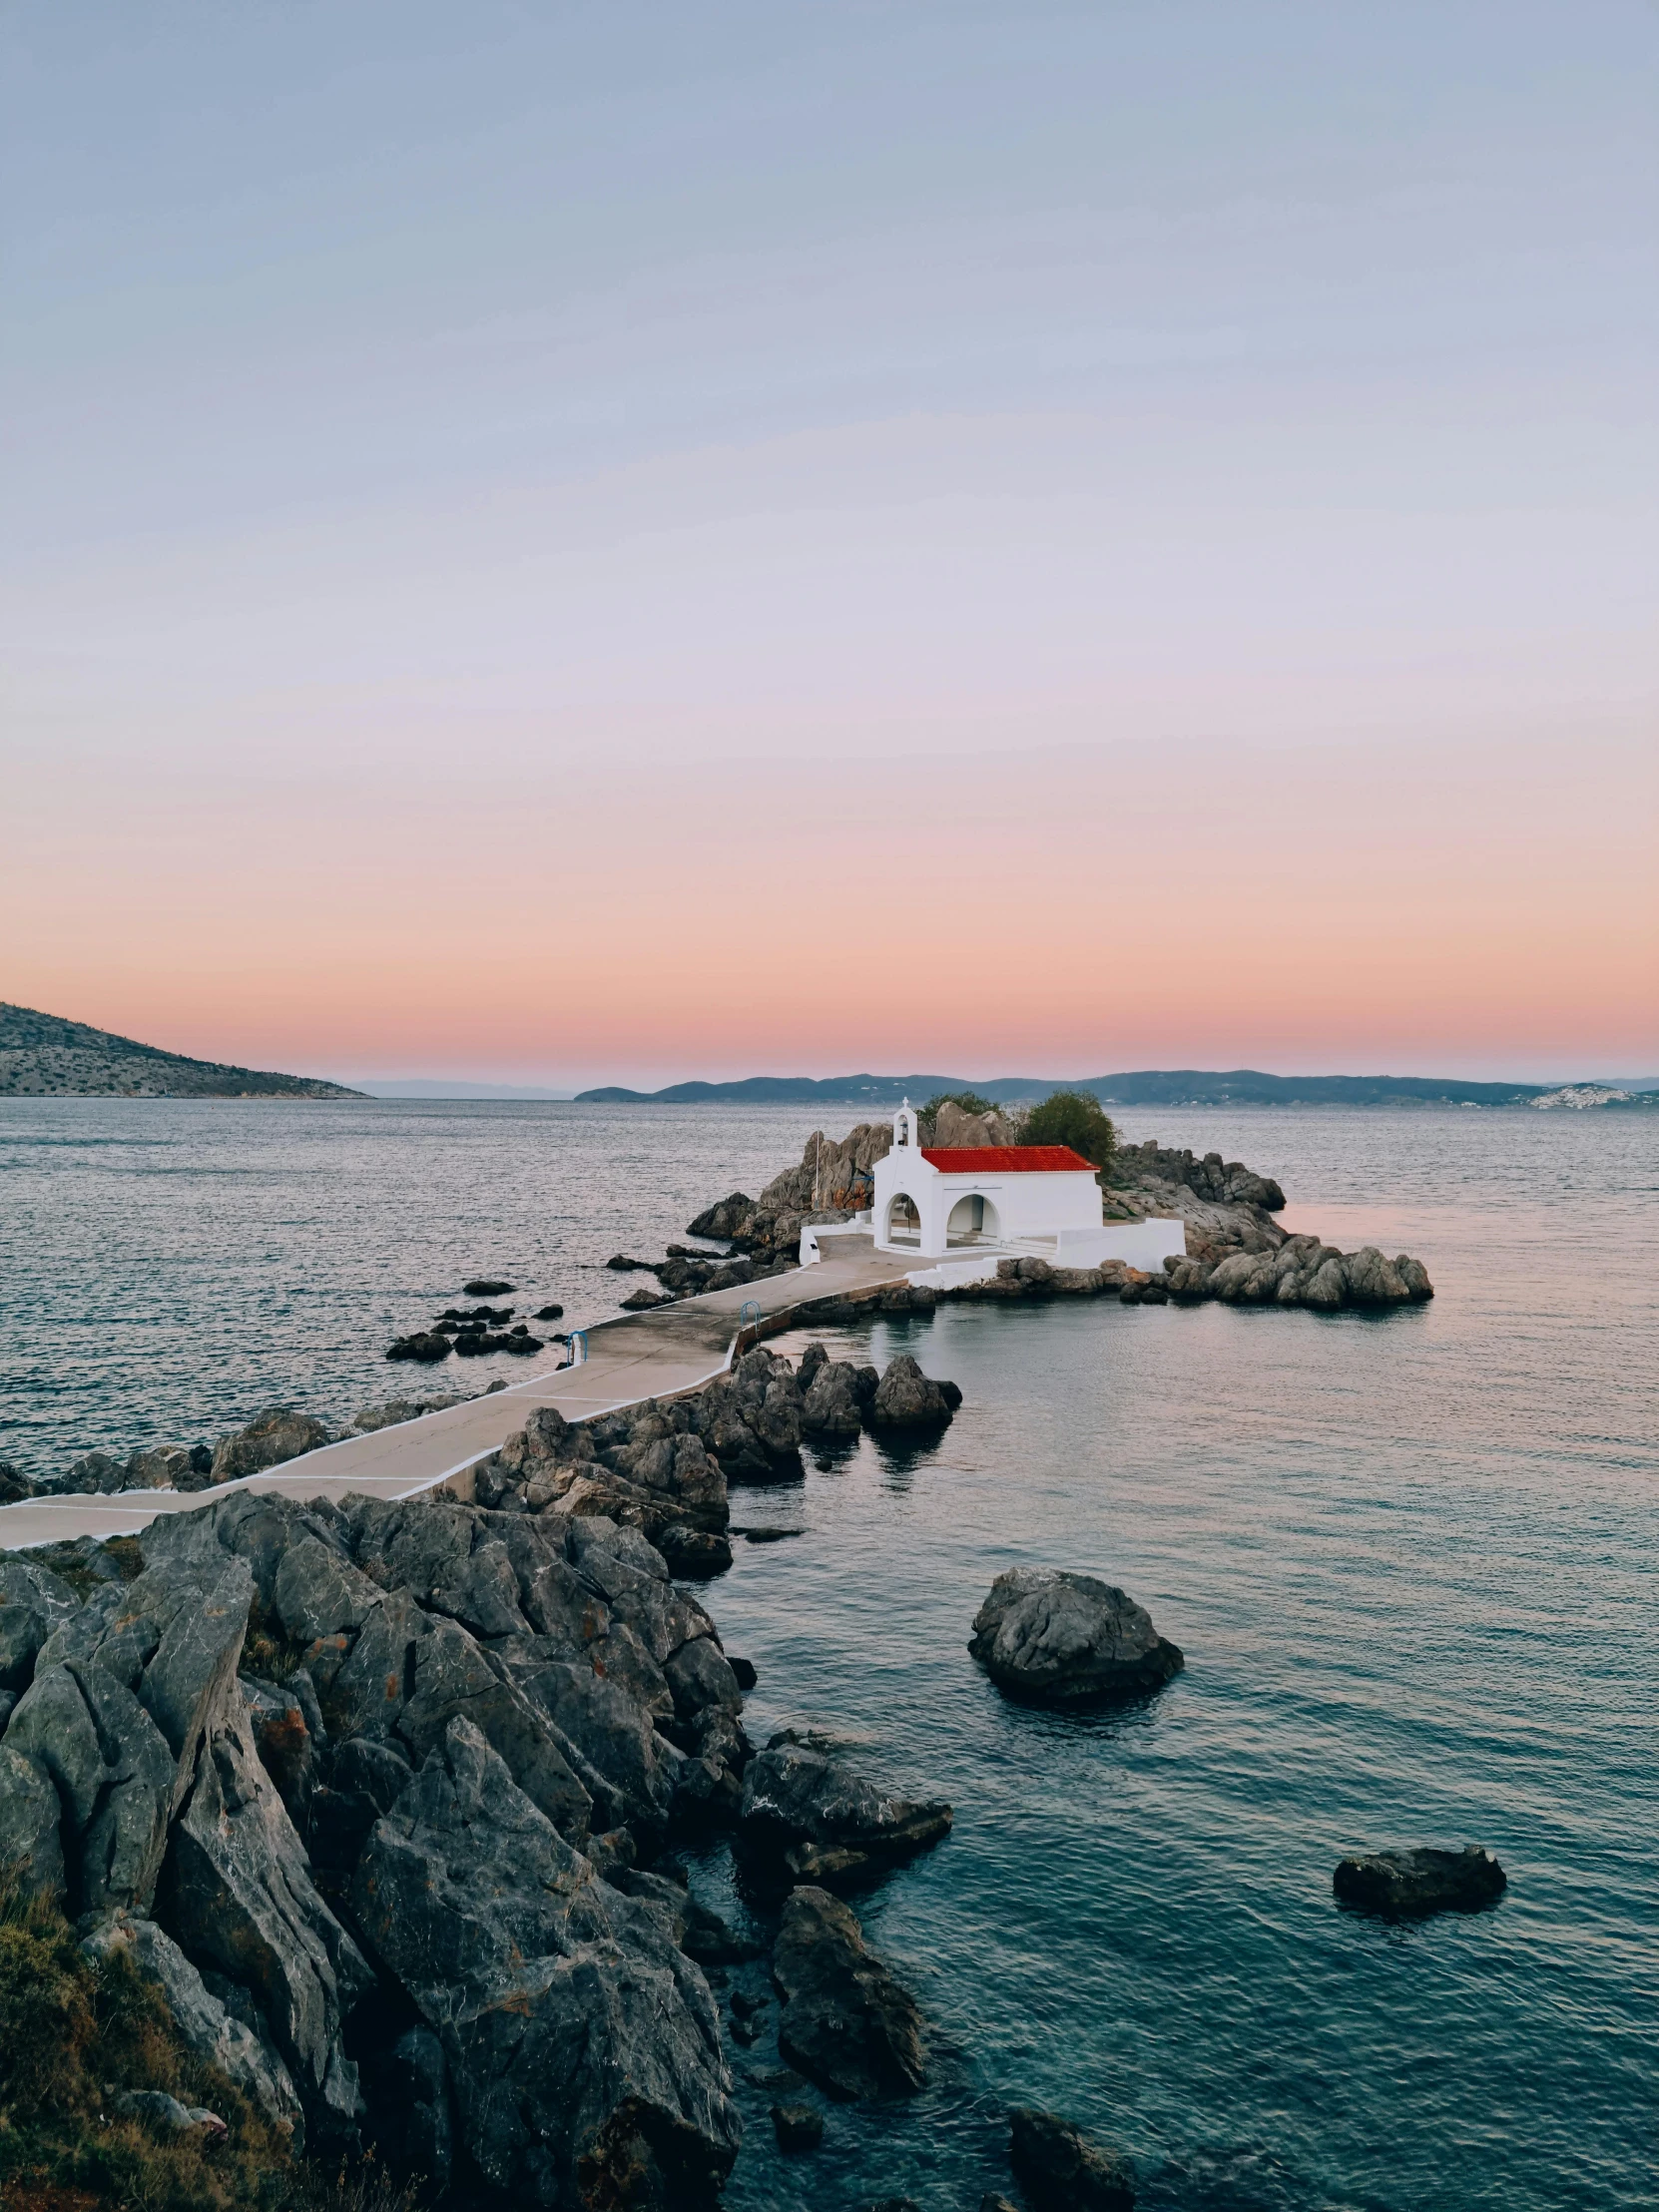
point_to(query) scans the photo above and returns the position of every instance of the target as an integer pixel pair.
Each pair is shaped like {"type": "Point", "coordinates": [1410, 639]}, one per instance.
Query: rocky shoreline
{"type": "Point", "coordinates": [384, 1801]}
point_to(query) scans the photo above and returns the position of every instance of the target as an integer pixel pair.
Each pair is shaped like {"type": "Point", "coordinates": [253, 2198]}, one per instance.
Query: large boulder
{"type": "Point", "coordinates": [1065, 1639]}
{"type": "Point", "coordinates": [1061, 2171]}
{"type": "Point", "coordinates": [908, 1399]}
{"type": "Point", "coordinates": [1409, 1884]}
{"type": "Point", "coordinates": [583, 2045]}
{"type": "Point", "coordinates": [269, 1441]}
{"type": "Point", "coordinates": [847, 2022]}
{"type": "Point", "coordinates": [826, 1819]}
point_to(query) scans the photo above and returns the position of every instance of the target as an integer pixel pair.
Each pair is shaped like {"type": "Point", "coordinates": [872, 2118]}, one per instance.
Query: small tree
{"type": "Point", "coordinates": [1074, 1118]}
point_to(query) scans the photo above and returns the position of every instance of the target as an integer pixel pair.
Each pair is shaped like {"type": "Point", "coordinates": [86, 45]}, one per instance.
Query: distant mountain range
{"type": "Point", "coordinates": [42, 1056]}
{"type": "Point", "coordinates": [1145, 1087]}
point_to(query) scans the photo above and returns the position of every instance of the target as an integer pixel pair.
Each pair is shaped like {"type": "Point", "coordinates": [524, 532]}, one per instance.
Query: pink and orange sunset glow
{"type": "Point", "coordinates": [888, 545]}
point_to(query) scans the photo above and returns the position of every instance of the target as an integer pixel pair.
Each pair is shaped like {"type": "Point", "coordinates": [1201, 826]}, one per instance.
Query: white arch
{"type": "Point", "coordinates": [903, 1218]}
{"type": "Point", "coordinates": [973, 1216]}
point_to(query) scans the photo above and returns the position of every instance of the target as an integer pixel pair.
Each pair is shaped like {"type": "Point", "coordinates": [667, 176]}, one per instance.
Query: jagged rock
{"type": "Point", "coordinates": [1061, 2171]}
{"type": "Point", "coordinates": [426, 1346]}
{"type": "Point", "coordinates": [94, 1472]}
{"type": "Point", "coordinates": [641, 1302]}
{"type": "Point", "coordinates": [204, 2026]}
{"type": "Point", "coordinates": [1401, 1883]}
{"type": "Point", "coordinates": [114, 1776]}
{"type": "Point", "coordinates": [238, 1894]}
{"type": "Point", "coordinates": [847, 2022]}
{"type": "Point", "coordinates": [615, 1737]}
{"type": "Point", "coordinates": [582, 2043]}
{"type": "Point", "coordinates": [269, 1441]}
{"type": "Point", "coordinates": [693, 1553]}
{"type": "Point", "coordinates": [722, 1218]}
{"type": "Point", "coordinates": [415, 2085]}
{"type": "Point", "coordinates": [318, 1593]}
{"type": "Point", "coordinates": [29, 1822]}
{"type": "Point", "coordinates": [826, 1819]}
{"type": "Point", "coordinates": [830, 1407]}
{"type": "Point", "coordinates": [1061, 1639]}
{"type": "Point", "coordinates": [906, 1398]}
{"type": "Point", "coordinates": [285, 1742]}
{"type": "Point", "coordinates": [33, 1601]}
{"type": "Point", "coordinates": [955, 1128]}
{"type": "Point", "coordinates": [163, 1467]}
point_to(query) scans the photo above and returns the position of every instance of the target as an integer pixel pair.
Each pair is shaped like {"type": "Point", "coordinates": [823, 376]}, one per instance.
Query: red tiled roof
{"type": "Point", "coordinates": [1006, 1159]}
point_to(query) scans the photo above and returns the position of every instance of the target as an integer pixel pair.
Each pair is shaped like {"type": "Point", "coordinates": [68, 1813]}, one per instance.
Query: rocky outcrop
{"type": "Point", "coordinates": [955, 1127]}
{"type": "Point", "coordinates": [1222, 1182]}
{"type": "Point", "coordinates": [824, 1820]}
{"type": "Point", "coordinates": [833, 1183]}
{"type": "Point", "coordinates": [1053, 1638]}
{"type": "Point", "coordinates": [847, 2023]}
{"type": "Point", "coordinates": [1061, 2171]}
{"type": "Point", "coordinates": [1303, 1270]}
{"type": "Point", "coordinates": [1409, 1884]}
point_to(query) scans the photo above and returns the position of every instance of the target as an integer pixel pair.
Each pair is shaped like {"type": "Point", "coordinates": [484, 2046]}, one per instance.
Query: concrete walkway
{"type": "Point", "coordinates": [661, 1354]}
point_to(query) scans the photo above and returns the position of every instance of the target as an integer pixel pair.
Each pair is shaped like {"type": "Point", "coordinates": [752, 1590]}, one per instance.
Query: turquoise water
{"type": "Point", "coordinates": [1409, 1560]}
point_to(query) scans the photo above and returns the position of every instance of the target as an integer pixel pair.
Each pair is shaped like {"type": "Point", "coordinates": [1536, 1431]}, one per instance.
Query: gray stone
{"type": "Point", "coordinates": [825, 1819]}
{"type": "Point", "coordinates": [1061, 2171]}
{"type": "Point", "coordinates": [797, 2127]}
{"type": "Point", "coordinates": [582, 2045]}
{"type": "Point", "coordinates": [29, 1821]}
{"type": "Point", "coordinates": [1409, 1884]}
{"type": "Point", "coordinates": [847, 2023]}
{"type": "Point", "coordinates": [270, 1440]}
{"type": "Point", "coordinates": [317, 1593]}
{"type": "Point", "coordinates": [1062, 1639]}
{"type": "Point", "coordinates": [830, 1406]}
{"type": "Point", "coordinates": [699, 1676]}
{"type": "Point", "coordinates": [908, 1399]}
{"type": "Point", "coordinates": [114, 1776]}
{"type": "Point", "coordinates": [166, 2116]}
{"type": "Point", "coordinates": [33, 1601]}
{"type": "Point", "coordinates": [238, 1895]}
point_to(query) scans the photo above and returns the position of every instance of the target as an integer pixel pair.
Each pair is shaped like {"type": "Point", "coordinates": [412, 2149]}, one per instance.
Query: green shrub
{"type": "Point", "coordinates": [1074, 1118]}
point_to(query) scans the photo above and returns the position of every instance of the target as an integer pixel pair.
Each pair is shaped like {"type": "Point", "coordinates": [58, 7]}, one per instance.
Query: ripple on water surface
{"type": "Point", "coordinates": [1409, 1560]}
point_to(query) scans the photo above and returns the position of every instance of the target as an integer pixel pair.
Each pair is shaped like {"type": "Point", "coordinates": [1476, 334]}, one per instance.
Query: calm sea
{"type": "Point", "coordinates": [1411, 1560]}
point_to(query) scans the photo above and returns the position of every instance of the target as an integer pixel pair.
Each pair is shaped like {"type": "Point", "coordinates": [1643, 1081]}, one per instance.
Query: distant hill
{"type": "Point", "coordinates": [42, 1056]}
{"type": "Point", "coordinates": [1146, 1087]}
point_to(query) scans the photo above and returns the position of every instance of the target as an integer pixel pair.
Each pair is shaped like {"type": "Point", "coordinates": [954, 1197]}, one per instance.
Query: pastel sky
{"type": "Point", "coordinates": [616, 542]}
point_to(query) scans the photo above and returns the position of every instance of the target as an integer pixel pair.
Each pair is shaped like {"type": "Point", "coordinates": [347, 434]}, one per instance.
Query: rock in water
{"type": "Point", "coordinates": [908, 1399]}
{"type": "Point", "coordinates": [825, 1819]}
{"type": "Point", "coordinates": [1064, 1640]}
{"type": "Point", "coordinates": [1060, 2170]}
{"type": "Point", "coordinates": [847, 2022]}
{"type": "Point", "coordinates": [798, 2126]}
{"type": "Point", "coordinates": [487, 1286]}
{"type": "Point", "coordinates": [1402, 1882]}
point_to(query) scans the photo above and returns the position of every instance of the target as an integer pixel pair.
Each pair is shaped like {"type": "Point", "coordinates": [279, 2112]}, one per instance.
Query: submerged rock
{"type": "Point", "coordinates": [825, 1820]}
{"type": "Point", "coordinates": [1403, 1884]}
{"type": "Point", "coordinates": [1064, 1640]}
{"type": "Point", "coordinates": [1061, 2171]}
{"type": "Point", "coordinates": [847, 2023]}
{"type": "Point", "coordinates": [426, 1346]}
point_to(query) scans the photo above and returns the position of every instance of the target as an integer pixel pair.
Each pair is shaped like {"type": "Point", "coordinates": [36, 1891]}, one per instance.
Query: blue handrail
{"type": "Point", "coordinates": [573, 1358]}
{"type": "Point", "coordinates": [748, 1306]}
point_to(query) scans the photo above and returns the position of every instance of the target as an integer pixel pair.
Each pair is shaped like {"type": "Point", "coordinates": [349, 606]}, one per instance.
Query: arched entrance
{"type": "Point", "coordinates": [903, 1224]}
{"type": "Point", "coordinates": [973, 1220]}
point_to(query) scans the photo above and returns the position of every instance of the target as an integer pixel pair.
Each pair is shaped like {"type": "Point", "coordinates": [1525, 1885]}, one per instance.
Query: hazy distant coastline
{"type": "Point", "coordinates": [1145, 1087]}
